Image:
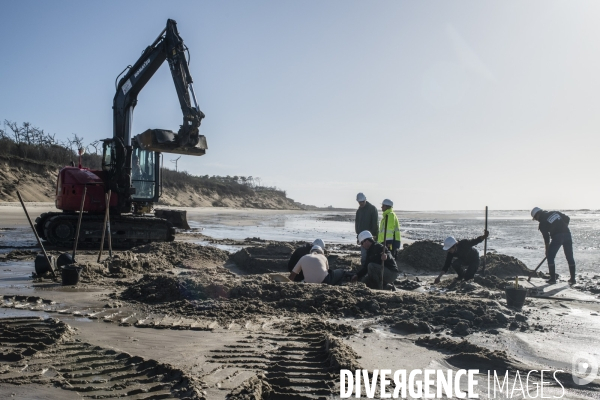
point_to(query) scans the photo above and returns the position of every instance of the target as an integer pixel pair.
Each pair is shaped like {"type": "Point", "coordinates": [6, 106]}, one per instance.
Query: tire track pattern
{"type": "Point", "coordinates": [43, 351]}
{"type": "Point", "coordinates": [294, 366]}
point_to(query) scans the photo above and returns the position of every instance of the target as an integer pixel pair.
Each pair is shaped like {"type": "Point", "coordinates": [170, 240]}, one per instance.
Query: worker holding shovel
{"type": "Point", "coordinates": [379, 262]}
{"type": "Point", "coordinates": [466, 254]}
{"type": "Point", "coordinates": [554, 226]}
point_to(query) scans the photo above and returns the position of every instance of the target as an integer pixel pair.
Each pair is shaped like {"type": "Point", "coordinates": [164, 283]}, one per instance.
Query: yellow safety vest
{"type": "Point", "coordinates": [393, 227]}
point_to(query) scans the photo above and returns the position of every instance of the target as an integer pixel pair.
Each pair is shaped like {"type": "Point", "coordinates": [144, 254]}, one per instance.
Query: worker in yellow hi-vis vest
{"type": "Point", "coordinates": [389, 228]}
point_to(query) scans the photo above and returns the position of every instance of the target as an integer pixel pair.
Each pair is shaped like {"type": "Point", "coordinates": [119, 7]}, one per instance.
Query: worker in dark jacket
{"type": "Point", "coordinates": [366, 220]}
{"type": "Point", "coordinates": [466, 256]}
{"type": "Point", "coordinates": [371, 271]}
{"type": "Point", "coordinates": [301, 252]}
{"type": "Point", "coordinates": [554, 226]}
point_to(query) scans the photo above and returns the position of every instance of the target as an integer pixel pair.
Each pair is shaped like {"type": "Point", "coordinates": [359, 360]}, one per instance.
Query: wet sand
{"type": "Point", "coordinates": [199, 322]}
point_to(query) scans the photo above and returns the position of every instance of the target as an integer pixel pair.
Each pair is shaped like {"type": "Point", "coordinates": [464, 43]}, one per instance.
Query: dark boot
{"type": "Point", "coordinates": [572, 271]}
{"type": "Point", "coordinates": [552, 271]}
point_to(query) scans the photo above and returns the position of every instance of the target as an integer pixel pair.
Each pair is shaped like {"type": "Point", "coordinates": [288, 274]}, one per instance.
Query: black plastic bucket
{"type": "Point", "coordinates": [515, 297]}
{"type": "Point", "coordinates": [70, 274]}
{"type": "Point", "coordinates": [64, 259]}
{"type": "Point", "coordinates": [41, 264]}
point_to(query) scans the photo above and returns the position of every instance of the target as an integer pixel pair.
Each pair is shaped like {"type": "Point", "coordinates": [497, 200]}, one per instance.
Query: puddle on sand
{"type": "Point", "coordinates": [16, 274]}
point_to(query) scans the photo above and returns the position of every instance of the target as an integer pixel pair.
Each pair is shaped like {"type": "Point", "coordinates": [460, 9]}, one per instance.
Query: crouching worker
{"type": "Point", "coordinates": [379, 260]}
{"type": "Point", "coordinates": [301, 252]}
{"type": "Point", "coordinates": [467, 256]}
{"type": "Point", "coordinates": [315, 268]}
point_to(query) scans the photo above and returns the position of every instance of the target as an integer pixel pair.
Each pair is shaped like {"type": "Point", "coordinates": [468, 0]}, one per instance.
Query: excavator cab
{"type": "Point", "coordinates": [145, 174]}
{"type": "Point", "coordinates": [145, 170]}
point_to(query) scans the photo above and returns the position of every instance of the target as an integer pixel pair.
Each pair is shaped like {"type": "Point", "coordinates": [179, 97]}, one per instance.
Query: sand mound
{"type": "Point", "coordinates": [490, 281]}
{"type": "Point", "coordinates": [126, 263]}
{"type": "Point", "coordinates": [469, 355]}
{"type": "Point", "coordinates": [229, 298]}
{"type": "Point", "coordinates": [255, 388]}
{"type": "Point", "coordinates": [504, 266]}
{"type": "Point", "coordinates": [19, 255]}
{"type": "Point", "coordinates": [423, 255]}
{"type": "Point", "coordinates": [183, 254]}
{"type": "Point", "coordinates": [165, 289]}
{"type": "Point", "coordinates": [259, 260]}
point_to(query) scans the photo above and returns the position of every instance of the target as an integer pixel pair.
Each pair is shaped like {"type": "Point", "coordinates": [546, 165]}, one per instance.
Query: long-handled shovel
{"type": "Point", "coordinates": [79, 222]}
{"type": "Point", "coordinates": [535, 270]}
{"type": "Point", "coordinates": [36, 235]}
{"type": "Point", "coordinates": [484, 243]}
{"type": "Point", "coordinates": [107, 199]}
{"type": "Point", "coordinates": [384, 248]}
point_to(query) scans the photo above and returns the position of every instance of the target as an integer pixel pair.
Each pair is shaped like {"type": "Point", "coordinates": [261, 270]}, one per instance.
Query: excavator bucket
{"type": "Point", "coordinates": [165, 141]}
{"type": "Point", "coordinates": [175, 217]}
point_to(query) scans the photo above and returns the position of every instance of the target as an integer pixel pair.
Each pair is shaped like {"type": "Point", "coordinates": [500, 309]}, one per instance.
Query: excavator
{"type": "Point", "coordinates": [131, 165]}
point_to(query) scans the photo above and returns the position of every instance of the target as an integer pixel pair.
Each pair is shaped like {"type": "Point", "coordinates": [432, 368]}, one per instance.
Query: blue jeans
{"type": "Point", "coordinates": [564, 240]}
{"type": "Point", "coordinates": [335, 277]}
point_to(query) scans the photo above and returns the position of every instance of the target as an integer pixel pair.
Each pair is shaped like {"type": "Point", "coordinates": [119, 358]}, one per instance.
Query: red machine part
{"type": "Point", "coordinates": [69, 189]}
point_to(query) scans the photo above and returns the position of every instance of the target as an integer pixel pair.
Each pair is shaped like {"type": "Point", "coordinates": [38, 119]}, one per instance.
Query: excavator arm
{"type": "Point", "coordinates": [167, 46]}
{"type": "Point", "coordinates": [188, 141]}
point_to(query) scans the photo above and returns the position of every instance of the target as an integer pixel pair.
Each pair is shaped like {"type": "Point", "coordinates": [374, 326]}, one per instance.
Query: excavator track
{"type": "Point", "coordinates": [126, 230]}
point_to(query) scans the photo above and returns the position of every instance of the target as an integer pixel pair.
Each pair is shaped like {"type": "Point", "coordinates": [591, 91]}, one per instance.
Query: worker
{"type": "Point", "coordinates": [554, 226]}
{"type": "Point", "coordinates": [389, 228]}
{"type": "Point", "coordinates": [378, 257]}
{"type": "Point", "coordinates": [136, 169]}
{"type": "Point", "coordinates": [315, 268]}
{"type": "Point", "coordinates": [467, 256]}
{"type": "Point", "coordinates": [366, 220]}
{"type": "Point", "coordinates": [301, 252]}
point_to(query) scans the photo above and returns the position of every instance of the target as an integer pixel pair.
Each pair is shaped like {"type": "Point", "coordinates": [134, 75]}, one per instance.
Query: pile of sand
{"type": "Point", "coordinates": [254, 388]}
{"type": "Point", "coordinates": [423, 255]}
{"type": "Point", "coordinates": [504, 266]}
{"type": "Point", "coordinates": [469, 355]}
{"type": "Point", "coordinates": [273, 257]}
{"type": "Point", "coordinates": [184, 254]}
{"type": "Point", "coordinates": [167, 288]}
{"type": "Point", "coordinates": [230, 298]}
{"type": "Point", "coordinates": [18, 255]}
{"type": "Point", "coordinates": [126, 263]}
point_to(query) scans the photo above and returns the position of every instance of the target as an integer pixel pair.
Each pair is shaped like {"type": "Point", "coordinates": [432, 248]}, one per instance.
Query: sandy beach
{"type": "Point", "coordinates": [201, 318]}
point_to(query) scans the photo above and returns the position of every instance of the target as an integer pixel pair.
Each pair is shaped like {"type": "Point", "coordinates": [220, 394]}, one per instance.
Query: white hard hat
{"type": "Point", "coordinates": [317, 249]}
{"type": "Point", "coordinates": [387, 202]}
{"type": "Point", "coordinates": [449, 242]}
{"type": "Point", "coordinates": [364, 235]}
{"type": "Point", "coordinates": [535, 211]}
{"type": "Point", "coordinates": [319, 242]}
{"type": "Point", "coordinates": [361, 197]}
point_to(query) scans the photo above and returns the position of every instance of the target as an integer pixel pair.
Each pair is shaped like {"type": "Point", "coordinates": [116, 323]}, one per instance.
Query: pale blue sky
{"type": "Point", "coordinates": [433, 104]}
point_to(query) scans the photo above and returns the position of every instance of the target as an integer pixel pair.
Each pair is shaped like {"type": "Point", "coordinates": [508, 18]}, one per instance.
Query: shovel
{"type": "Point", "coordinates": [79, 223]}
{"type": "Point", "coordinates": [535, 270]}
{"type": "Point", "coordinates": [36, 235]}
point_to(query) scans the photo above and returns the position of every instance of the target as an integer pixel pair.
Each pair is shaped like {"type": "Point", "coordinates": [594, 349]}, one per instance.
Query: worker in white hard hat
{"type": "Point", "coordinates": [389, 227]}
{"type": "Point", "coordinates": [301, 252]}
{"type": "Point", "coordinates": [315, 268]}
{"type": "Point", "coordinates": [466, 256]}
{"type": "Point", "coordinates": [554, 226]}
{"type": "Point", "coordinates": [366, 220]}
{"type": "Point", "coordinates": [378, 258]}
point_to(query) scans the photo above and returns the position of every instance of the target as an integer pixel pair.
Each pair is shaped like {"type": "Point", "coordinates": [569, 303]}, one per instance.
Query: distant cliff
{"type": "Point", "coordinates": [36, 181]}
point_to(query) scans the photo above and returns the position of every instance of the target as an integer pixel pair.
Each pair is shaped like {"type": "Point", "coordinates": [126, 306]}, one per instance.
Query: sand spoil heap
{"type": "Point", "coordinates": [274, 257]}
{"type": "Point", "coordinates": [220, 295]}
{"type": "Point", "coordinates": [182, 254]}
{"type": "Point", "coordinates": [423, 255]}
{"type": "Point", "coordinates": [504, 266]}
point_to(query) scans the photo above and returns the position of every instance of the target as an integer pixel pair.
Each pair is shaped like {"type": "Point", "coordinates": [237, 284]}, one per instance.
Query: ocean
{"type": "Point", "coordinates": [511, 232]}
